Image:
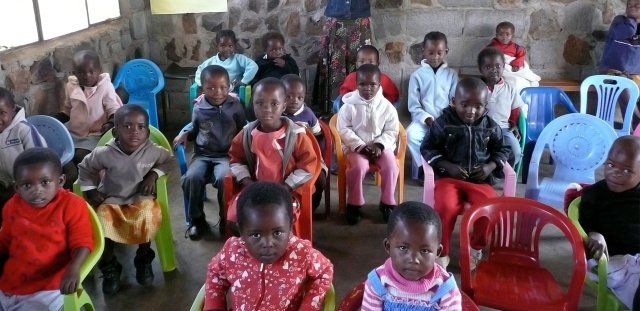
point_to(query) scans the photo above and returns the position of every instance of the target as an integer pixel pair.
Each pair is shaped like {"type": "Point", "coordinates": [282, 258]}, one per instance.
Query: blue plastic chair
{"type": "Point", "coordinates": [142, 79]}
{"type": "Point", "coordinates": [578, 144]}
{"type": "Point", "coordinates": [608, 90]}
{"type": "Point", "coordinates": [542, 102]}
{"type": "Point", "coordinates": [56, 135]}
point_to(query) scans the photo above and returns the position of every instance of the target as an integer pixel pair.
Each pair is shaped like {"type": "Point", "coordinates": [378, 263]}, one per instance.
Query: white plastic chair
{"type": "Point", "coordinates": [56, 135]}
{"type": "Point", "coordinates": [608, 90]}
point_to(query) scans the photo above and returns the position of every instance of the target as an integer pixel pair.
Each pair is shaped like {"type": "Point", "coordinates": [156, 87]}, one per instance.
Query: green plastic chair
{"type": "Point", "coordinates": [329, 303]}
{"type": "Point", "coordinates": [522, 127]}
{"type": "Point", "coordinates": [606, 299]}
{"type": "Point", "coordinates": [164, 236]}
{"type": "Point", "coordinates": [80, 299]}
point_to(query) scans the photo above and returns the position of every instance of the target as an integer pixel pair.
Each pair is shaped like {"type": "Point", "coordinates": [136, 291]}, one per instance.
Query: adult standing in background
{"type": "Point", "coordinates": [347, 28]}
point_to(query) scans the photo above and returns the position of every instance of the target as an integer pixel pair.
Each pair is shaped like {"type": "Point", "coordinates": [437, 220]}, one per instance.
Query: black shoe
{"type": "Point", "coordinates": [385, 210]}
{"type": "Point", "coordinates": [111, 272]}
{"type": "Point", "coordinates": [142, 262]}
{"type": "Point", "coordinates": [353, 214]}
{"type": "Point", "coordinates": [198, 227]}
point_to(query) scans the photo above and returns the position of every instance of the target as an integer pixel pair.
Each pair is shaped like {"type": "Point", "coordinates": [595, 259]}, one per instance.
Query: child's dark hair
{"type": "Point", "coordinates": [127, 109]}
{"type": "Point", "coordinates": [213, 71]}
{"type": "Point", "coordinates": [262, 193]}
{"type": "Point", "coordinates": [628, 142]}
{"type": "Point", "coordinates": [37, 155]}
{"type": "Point", "coordinates": [226, 33]}
{"type": "Point", "coordinates": [417, 212]}
{"type": "Point", "coordinates": [503, 25]}
{"type": "Point", "coordinates": [489, 52]}
{"type": "Point", "coordinates": [269, 36]}
{"type": "Point", "coordinates": [270, 81]}
{"type": "Point", "coordinates": [7, 97]}
{"type": "Point", "coordinates": [291, 78]}
{"type": "Point", "coordinates": [370, 49]}
{"type": "Point", "coordinates": [86, 55]}
{"type": "Point", "coordinates": [435, 36]}
{"type": "Point", "coordinates": [471, 83]}
{"type": "Point", "coordinates": [367, 69]}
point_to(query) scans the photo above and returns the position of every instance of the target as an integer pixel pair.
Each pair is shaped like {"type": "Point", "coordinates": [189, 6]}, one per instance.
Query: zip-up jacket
{"type": "Point", "coordinates": [17, 137]}
{"type": "Point", "coordinates": [215, 126]}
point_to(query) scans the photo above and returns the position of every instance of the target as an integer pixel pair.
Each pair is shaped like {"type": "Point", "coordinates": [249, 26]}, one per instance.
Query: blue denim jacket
{"type": "Point", "coordinates": [347, 9]}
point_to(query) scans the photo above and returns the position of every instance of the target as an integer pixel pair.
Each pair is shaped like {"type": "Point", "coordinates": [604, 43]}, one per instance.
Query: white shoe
{"type": "Point", "coordinates": [443, 261]}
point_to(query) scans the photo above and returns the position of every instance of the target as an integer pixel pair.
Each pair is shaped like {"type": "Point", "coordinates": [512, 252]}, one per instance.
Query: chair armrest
{"type": "Point", "coordinates": [510, 180]}
{"type": "Point", "coordinates": [182, 159]}
{"type": "Point", "coordinates": [428, 196]}
{"type": "Point", "coordinates": [160, 85]}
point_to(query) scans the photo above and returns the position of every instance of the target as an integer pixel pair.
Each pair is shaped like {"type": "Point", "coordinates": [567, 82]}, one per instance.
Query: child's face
{"type": "Point", "coordinates": [435, 52]}
{"type": "Point", "coordinates": [7, 112]}
{"type": "Point", "coordinates": [633, 9]}
{"type": "Point", "coordinates": [366, 57]}
{"type": "Point", "coordinates": [413, 248]}
{"type": "Point", "coordinates": [216, 89]}
{"type": "Point", "coordinates": [88, 73]}
{"type": "Point", "coordinates": [622, 169]}
{"type": "Point", "coordinates": [226, 48]}
{"type": "Point", "coordinates": [470, 104]}
{"type": "Point", "coordinates": [275, 48]}
{"type": "Point", "coordinates": [295, 97]}
{"type": "Point", "coordinates": [504, 35]}
{"type": "Point", "coordinates": [266, 231]}
{"type": "Point", "coordinates": [368, 85]}
{"type": "Point", "coordinates": [268, 105]}
{"type": "Point", "coordinates": [491, 69]}
{"type": "Point", "coordinates": [132, 132]}
{"type": "Point", "coordinates": [38, 184]}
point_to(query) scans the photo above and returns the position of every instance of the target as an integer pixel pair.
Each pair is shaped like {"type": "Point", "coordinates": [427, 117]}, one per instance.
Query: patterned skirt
{"type": "Point", "coordinates": [134, 223]}
{"type": "Point", "coordinates": [340, 45]}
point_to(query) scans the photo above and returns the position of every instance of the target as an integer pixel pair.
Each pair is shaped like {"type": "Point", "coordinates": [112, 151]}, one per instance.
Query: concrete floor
{"type": "Point", "coordinates": [354, 250]}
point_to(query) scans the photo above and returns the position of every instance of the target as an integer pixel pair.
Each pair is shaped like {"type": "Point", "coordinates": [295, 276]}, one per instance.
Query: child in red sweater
{"type": "Point", "coordinates": [516, 69]}
{"type": "Point", "coordinates": [267, 268]}
{"type": "Point", "coordinates": [45, 237]}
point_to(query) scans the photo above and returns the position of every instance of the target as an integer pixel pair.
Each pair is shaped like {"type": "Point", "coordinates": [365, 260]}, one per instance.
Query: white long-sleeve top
{"type": "Point", "coordinates": [430, 91]}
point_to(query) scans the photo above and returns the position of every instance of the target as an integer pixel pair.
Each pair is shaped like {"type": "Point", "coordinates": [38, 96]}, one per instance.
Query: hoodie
{"type": "Point", "coordinates": [19, 136]}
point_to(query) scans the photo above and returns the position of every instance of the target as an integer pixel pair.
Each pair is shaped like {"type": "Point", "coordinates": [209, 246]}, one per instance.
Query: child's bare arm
{"type": "Point", "coordinates": [71, 277]}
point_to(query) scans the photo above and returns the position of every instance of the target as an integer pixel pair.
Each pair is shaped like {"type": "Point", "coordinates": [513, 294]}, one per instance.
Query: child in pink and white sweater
{"type": "Point", "coordinates": [411, 279]}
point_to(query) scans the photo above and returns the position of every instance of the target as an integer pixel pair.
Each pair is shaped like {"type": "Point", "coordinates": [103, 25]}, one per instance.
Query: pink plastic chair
{"type": "Point", "coordinates": [636, 132]}
{"type": "Point", "coordinates": [509, 187]}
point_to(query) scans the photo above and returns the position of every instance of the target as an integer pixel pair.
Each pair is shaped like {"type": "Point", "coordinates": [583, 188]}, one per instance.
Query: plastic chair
{"type": "Point", "coordinates": [56, 135]}
{"type": "Point", "coordinates": [606, 299]}
{"type": "Point", "coordinates": [511, 278]}
{"type": "Point", "coordinates": [542, 102]}
{"type": "Point", "coordinates": [578, 144]}
{"type": "Point", "coordinates": [164, 236]}
{"type": "Point", "coordinates": [303, 226]}
{"type": "Point", "coordinates": [608, 90]}
{"type": "Point", "coordinates": [80, 299]}
{"type": "Point", "coordinates": [428, 194]}
{"type": "Point", "coordinates": [353, 300]}
{"type": "Point", "coordinates": [327, 155]}
{"type": "Point", "coordinates": [636, 132]}
{"type": "Point", "coordinates": [142, 79]}
{"type": "Point", "coordinates": [342, 164]}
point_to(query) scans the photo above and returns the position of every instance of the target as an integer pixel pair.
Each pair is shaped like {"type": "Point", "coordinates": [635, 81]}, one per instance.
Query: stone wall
{"type": "Point", "coordinates": [36, 73]}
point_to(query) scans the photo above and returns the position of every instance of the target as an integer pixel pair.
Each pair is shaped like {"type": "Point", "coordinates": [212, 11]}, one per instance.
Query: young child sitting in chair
{"type": "Point", "coordinates": [610, 214]}
{"type": "Point", "coordinates": [267, 267]}
{"type": "Point", "coordinates": [466, 148]}
{"type": "Point", "coordinates": [45, 237]}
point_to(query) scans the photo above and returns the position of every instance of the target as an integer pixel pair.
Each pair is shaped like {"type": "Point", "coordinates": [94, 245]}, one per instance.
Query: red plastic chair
{"type": "Point", "coordinates": [511, 278]}
{"type": "Point", "coordinates": [303, 226]}
{"type": "Point", "coordinates": [327, 155]}
{"type": "Point", "coordinates": [353, 300]}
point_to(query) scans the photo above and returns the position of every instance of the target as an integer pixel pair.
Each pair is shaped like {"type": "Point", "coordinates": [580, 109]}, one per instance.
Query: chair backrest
{"type": "Point", "coordinates": [515, 226]}
{"type": "Point", "coordinates": [578, 143]}
{"type": "Point", "coordinates": [609, 90]}
{"type": "Point", "coordinates": [328, 143]}
{"type": "Point", "coordinates": [542, 101]}
{"type": "Point", "coordinates": [636, 132]}
{"type": "Point", "coordinates": [55, 134]}
{"type": "Point", "coordinates": [142, 79]}
{"type": "Point", "coordinates": [154, 135]}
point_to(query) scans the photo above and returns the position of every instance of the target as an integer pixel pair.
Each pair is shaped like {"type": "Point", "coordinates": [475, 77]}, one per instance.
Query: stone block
{"type": "Point", "coordinates": [250, 24]}
{"type": "Point", "coordinates": [419, 24]}
{"type": "Point", "coordinates": [234, 16]}
{"type": "Point", "coordinates": [272, 23]}
{"type": "Point", "coordinates": [310, 5]}
{"type": "Point", "coordinates": [388, 4]}
{"type": "Point", "coordinates": [255, 6]}
{"type": "Point", "coordinates": [171, 51]}
{"type": "Point", "coordinates": [18, 80]}
{"type": "Point", "coordinates": [470, 49]}
{"type": "Point", "coordinates": [508, 3]}
{"type": "Point", "coordinates": [272, 4]}
{"type": "Point", "coordinates": [214, 22]}
{"type": "Point", "coordinates": [608, 13]}
{"type": "Point", "coordinates": [386, 25]}
{"type": "Point", "coordinates": [314, 28]}
{"type": "Point", "coordinates": [394, 52]}
{"type": "Point", "coordinates": [422, 2]}
{"type": "Point", "coordinates": [137, 5]}
{"type": "Point", "coordinates": [482, 23]}
{"type": "Point", "coordinates": [577, 51]}
{"type": "Point", "coordinates": [544, 25]}
{"type": "Point", "coordinates": [42, 71]}
{"type": "Point", "coordinates": [467, 3]}
{"type": "Point", "coordinates": [195, 51]}
{"type": "Point", "coordinates": [163, 24]}
{"type": "Point", "coordinates": [415, 52]}
{"type": "Point", "coordinates": [293, 25]}
{"type": "Point", "coordinates": [545, 54]}
{"type": "Point", "coordinates": [138, 26]}
{"type": "Point", "coordinates": [456, 51]}
{"type": "Point", "coordinates": [189, 23]}
{"type": "Point", "coordinates": [578, 17]}
{"type": "Point", "coordinates": [125, 39]}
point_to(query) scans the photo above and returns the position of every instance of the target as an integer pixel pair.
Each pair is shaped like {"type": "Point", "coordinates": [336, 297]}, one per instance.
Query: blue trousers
{"type": "Point", "coordinates": [202, 171]}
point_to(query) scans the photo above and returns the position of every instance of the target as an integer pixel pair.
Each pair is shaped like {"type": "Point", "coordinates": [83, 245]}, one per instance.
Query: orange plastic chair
{"type": "Point", "coordinates": [353, 300]}
{"type": "Point", "coordinates": [327, 155]}
{"type": "Point", "coordinates": [511, 278]}
{"type": "Point", "coordinates": [342, 164]}
{"type": "Point", "coordinates": [303, 226]}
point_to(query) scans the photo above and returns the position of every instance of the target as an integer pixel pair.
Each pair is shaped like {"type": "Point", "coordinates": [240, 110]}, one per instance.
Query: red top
{"type": "Point", "coordinates": [389, 89]}
{"type": "Point", "coordinates": [39, 241]}
{"type": "Point", "coordinates": [512, 49]}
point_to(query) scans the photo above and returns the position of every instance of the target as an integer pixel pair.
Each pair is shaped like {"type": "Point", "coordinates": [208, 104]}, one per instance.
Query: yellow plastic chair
{"type": "Point", "coordinates": [164, 237]}
{"type": "Point", "coordinates": [342, 164]}
{"type": "Point", "coordinates": [329, 303]}
{"type": "Point", "coordinates": [606, 299]}
{"type": "Point", "coordinates": [80, 299]}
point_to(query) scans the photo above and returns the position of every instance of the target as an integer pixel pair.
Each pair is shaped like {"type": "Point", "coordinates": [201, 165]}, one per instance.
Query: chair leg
{"type": "Point", "coordinates": [164, 237]}
{"type": "Point", "coordinates": [342, 188]}
{"type": "Point", "coordinates": [401, 182]}
{"type": "Point", "coordinates": [526, 159]}
{"type": "Point", "coordinates": [327, 197]}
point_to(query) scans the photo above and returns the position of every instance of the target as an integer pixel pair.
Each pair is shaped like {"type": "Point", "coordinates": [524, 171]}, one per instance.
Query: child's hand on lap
{"type": "Point", "coordinates": [596, 245]}
{"type": "Point", "coordinates": [148, 184]}
{"type": "Point", "coordinates": [481, 172]}
{"type": "Point", "coordinates": [95, 197]}
{"type": "Point", "coordinates": [374, 150]}
{"type": "Point", "coordinates": [279, 62]}
{"type": "Point", "coordinates": [454, 170]}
